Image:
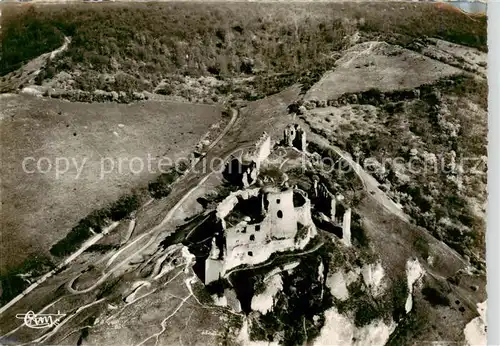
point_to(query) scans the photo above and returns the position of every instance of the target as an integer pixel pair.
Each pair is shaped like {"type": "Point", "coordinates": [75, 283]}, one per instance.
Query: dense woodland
{"type": "Point", "coordinates": [141, 44]}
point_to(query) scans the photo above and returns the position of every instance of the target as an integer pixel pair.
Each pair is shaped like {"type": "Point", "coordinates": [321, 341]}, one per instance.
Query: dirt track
{"type": "Point", "coordinates": [191, 181]}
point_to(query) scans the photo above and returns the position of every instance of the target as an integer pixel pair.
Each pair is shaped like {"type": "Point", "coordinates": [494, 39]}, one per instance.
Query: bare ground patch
{"type": "Point", "coordinates": [37, 208]}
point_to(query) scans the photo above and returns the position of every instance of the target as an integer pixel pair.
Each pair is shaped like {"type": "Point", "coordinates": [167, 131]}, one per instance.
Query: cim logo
{"type": "Point", "coordinates": [40, 321]}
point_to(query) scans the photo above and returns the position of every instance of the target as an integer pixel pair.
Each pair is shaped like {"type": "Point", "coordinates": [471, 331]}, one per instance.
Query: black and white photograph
{"type": "Point", "coordinates": [254, 173]}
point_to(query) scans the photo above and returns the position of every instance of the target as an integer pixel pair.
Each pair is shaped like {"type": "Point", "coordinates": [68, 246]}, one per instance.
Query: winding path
{"type": "Point", "coordinates": [158, 227]}
{"type": "Point", "coordinates": [108, 229]}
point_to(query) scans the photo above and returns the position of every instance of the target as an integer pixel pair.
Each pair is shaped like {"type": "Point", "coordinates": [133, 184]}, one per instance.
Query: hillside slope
{"type": "Point", "coordinates": [356, 216]}
{"type": "Point", "coordinates": [248, 50]}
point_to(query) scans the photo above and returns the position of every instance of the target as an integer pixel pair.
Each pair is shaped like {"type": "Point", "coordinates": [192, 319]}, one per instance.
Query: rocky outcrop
{"type": "Point", "coordinates": [377, 66]}
{"type": "Point", "coordinates": [243, 171]}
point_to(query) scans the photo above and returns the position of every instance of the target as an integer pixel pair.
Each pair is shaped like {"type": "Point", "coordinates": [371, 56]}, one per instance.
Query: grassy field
{"type": "Point", "coordinates": [139, 45]}
{"type": "Point", "coordinates": [39, 208]}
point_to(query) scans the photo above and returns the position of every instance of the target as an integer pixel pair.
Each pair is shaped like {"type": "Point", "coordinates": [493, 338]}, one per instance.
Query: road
{"type": "Point", "coordinates": [64, 263]}
{"type": "Point", "coordinates": [185, 196]}
{"type": "Point", "coordinates": [28, 71]}
{"type": "Point", "coordinates": [196, 180]}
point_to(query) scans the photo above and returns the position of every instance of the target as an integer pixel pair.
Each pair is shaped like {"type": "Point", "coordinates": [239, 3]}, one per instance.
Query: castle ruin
{"type": "Point", "coordinates": [260, 221]}
{"type": "Point", "coordinates": [331, 206]}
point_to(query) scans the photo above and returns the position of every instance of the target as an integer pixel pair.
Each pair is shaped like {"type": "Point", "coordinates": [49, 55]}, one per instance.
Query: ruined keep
{"type": "Point", "coordinates": [283, 223]}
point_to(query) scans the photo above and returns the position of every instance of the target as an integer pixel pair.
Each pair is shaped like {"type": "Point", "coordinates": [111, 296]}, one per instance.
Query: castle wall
{"type": "Point", "coordinates": [244, 171]}
{"type": "Point", "coordinates": [261, 151]}
{"type": "Point", "coordinates": [255, 243]}
{"type": "Point", "coordinates": [346, 227]}
{"type": "Point", "coordinates": [300, 139]}
{"type": "Point", "coordinates": [228, 204]}
{"type": "Point", "coordinates": [213, 270]}
{"type": "Point", "coordinates": [215, 252]}
{"type": "Point", "coordinates": [281, 218]}
{"type": "Point", "coordinates": [325, 200]}
{"type": "Point", "coordinates": [303, 214]}
{"type": "Point", "coordinates": [245, 234]}
{"type": "Point", "coordinates": [290, 135]}
{"type": "Point", "coordinates": [263, 148]}
{"type": "Point", "coordinates": [252, 254]}
{"type": "Point", "coordinates": [250, 175]}
{"type": "Point", "coordinates": [339, 214]}
{"type": "Point", "coordinates": [241, 174]}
